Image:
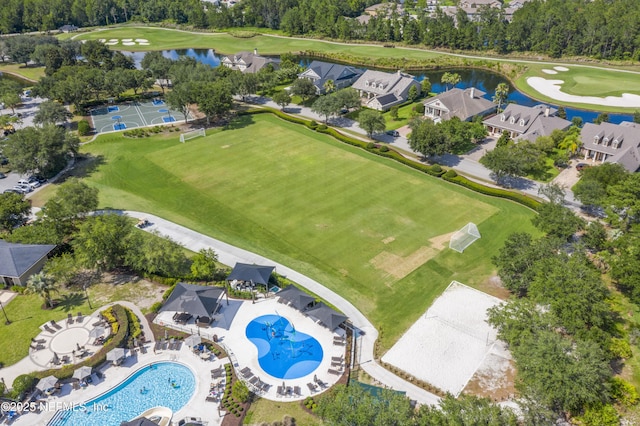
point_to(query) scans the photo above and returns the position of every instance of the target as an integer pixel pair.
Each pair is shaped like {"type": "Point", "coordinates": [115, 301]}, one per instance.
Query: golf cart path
{"type": "Point", "coordinates": [230, 255]}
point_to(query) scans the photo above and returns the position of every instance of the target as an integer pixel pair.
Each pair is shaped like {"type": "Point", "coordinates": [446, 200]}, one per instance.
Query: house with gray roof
{"type": "Point", "coordinates": [382, 90]}
{"type": "Point", "coordinates": [526, 123]}
{"type": "Point", "coordinates": [19, 261]}
{"type": "Point", "coordinates": [462, 103]}
{"type": "Point", "coordinates": [248, 62]}
{"type": "Point", "coordinates": [612, 143]}
{"type": "Point", "coordinates": [320, 72]}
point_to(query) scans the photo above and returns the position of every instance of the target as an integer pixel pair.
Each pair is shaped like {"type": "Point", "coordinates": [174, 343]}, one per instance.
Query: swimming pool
{"type": "Point", "coordinates": [283, 352]}
{"type": "Point", "coordinates": [167, 384]}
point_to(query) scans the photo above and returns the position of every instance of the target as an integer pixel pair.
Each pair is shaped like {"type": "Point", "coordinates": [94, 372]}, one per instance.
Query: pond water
{"type": "Point", "coordinates": [484, 80]}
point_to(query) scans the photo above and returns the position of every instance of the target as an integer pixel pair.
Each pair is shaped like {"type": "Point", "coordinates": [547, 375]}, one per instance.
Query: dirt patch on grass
{"type": "Point", "coordinates": [225, 146]}
{"type": "Point", "coordinates": [113, 287]}
{"type": "Point", "coordinates": [398, 266]}
{"type": "Point", "coordinates": [441, 242]}
{"type": "Point", "coordinates": [388, 240]}
{"type": "Point", "coordinates": [494, 379]}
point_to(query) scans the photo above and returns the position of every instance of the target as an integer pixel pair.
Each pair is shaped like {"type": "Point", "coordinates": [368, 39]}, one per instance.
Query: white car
{"type": "Point", "coordinates": [24, 188]}
{"type": "Point", "coordinates": [32, 185]}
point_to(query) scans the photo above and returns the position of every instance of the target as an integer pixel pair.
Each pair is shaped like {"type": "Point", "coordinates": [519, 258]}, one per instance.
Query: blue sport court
{"type": "Point", "coordinates": [130, 115]}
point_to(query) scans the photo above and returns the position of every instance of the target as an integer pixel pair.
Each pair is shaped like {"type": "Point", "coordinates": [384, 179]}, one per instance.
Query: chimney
{"type": "Point", "coordinates": [546, 111]}
{"type": "Point", "coordinates": [255, 51]}
{"type": "Point", "coordinates": [472, 92]}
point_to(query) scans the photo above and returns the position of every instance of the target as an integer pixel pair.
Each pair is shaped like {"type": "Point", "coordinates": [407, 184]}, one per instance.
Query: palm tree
{"type": "Point", "coordinates": [42, 285]}
{"type": "Point", "coordinates": [502, 91]}
{"type": "Point", "coordinates": [571, 142]}
{"type": "Point", "coordinates": [329, 86]}
{"type": "Point", "coordinates": [450, 79]}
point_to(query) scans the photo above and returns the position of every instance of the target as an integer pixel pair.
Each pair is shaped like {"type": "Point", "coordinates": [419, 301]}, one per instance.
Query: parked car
{"type": "Point", "coordinates": [581, 166]}
{"type": "Point", "coordinates": [24, 188]}
{"type": "Point", "coordinates": [15, 191]}
{"type": "Point", "coordinates": [393, 133]}
{"type": "Point", "coordinates": [2, 175]}
{"type": "Point", "coordinates": [28, 183]}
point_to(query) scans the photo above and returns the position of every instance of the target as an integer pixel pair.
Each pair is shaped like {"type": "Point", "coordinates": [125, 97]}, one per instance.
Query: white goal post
{"type": "Point", "coordinates": [464, 237]}
{"type": "Point", "coordinates": [192, 134]}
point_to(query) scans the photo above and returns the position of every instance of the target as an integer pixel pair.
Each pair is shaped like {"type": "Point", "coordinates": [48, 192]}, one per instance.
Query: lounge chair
{"type": "Point", "coordinates": [49, 329]}
{"type": "Point", "coordinates": [143, 349]}
{"type": "Point", "coordinates": [336, 364]}
{"type": "Point", "coordinates": [246, 372]}
{"type": "Point", "coordinates": [79, 318]}
{"type": "Point", "coordinates": [69, 318]}
{"type": "Point", "coordinates": [211, 398]}
{"type": "Point", "coordinates": [313, 388]}
{"type": "Point", "coordinates": [254, 380]}
{"type": "Point", "coordinates": [157, 345]}
{"type": "Point", "coordinates": [177, 345]}
{"type": "Point", "coordinates": [280, 391]}
{"type": "Point", "coordinates": [337, 359]}
{"type": "Point", "coordinates": [289, 391]}
{"type": "Point", "coordinates": [334, 372]}
{"type": "Point", "coordinates": [66, 359]}
{"type": "Point", "coordinates": [297, 391]}
{"type": "Point", "coordinates": [39, 340]}
{"type": "Point", "coordinates": [76, 385]}
{"type": "Point", "coordinates": [264, 387]}
{"type": "Point", "coordinates": [55, 325]}
{"type": "Point", "coordinates": [165, 344]}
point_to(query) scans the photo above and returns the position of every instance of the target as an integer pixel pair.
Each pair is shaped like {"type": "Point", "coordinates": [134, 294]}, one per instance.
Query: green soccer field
{"type": "Point", "coordinates": [367, 227]}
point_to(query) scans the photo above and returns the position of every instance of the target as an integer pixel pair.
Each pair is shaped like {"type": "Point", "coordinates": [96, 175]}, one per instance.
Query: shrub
{"type": "Point", "coordinates": [23, 384]}
{"type": "Point", "coordinates": [436, 168]}
{"type": "Point", "coordinates": [135, 329]}
{"type": "Point", "coordinates": [156, 307]}
{"type": "Point", "coordinates": [18, 289]}
{"type": "Point", "coordinates": [167, 293]}
{"type": "Point", "coordinates": [240, 391]}
{"type": "Point", "coordinates": [419, 108]}
{"type": "Point", "coordinates": [84, 128]}
{"type": "Point", "coordinates": [450, 174]}
{"type": "Point", "coordinates": [619, 348]}
{"type": "Point", "coordinates": [384, 148]}
{"type": "Point", "coordinates": [623, 392]}
{"type": "Point", "coordinates": [371, 145]}
{"type": "Point", "coordinates": [313, 124]}
{"type": "Point", "coordinates": [322, 127]}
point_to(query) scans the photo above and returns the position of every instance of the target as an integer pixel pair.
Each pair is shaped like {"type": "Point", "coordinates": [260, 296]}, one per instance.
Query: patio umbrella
{"type": "Point", "coordinates": [47, 383]}
{"type": "Point", "coordinates": [82, 372]}
{"type": "Point", "coordinates": [192, 340]}
{"type": "Point", "coordinates": [115, 354]}
{"type": "Point", "coordinates": [96, 332]}
{"type": "Point", "coordinates": [55, 358]}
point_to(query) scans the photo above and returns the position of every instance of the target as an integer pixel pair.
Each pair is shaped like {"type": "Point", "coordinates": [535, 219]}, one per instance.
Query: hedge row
{"type": "Point", "coordinates": [434, 170]}
{"type": "Point", "coordinates": [99, 357]}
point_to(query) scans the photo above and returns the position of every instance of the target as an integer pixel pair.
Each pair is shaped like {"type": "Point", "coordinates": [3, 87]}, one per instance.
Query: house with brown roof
{"type": "Point", "coordinates": [526, 123]}
{"type": "Point", "coordinates": [612, 143]}
{"type": "Point", "coordinates": [462, 103]}
{"type": "Point", "coordinates": [382, 90]}
{"type": "Point", "coordinates": [248, 62]}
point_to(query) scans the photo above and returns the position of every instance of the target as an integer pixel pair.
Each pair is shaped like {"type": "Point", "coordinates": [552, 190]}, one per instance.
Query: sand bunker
{"type": "Point", "coordinates": [451, 341]}
{"type": "Point", "coordinates": [127, 39]}
{"type": "Point", "coordinates": [102, 40]}
{"type": "Point", "coordinates": [129, 43]}
{"type": "Point", "coordinates": [561, 68]}
{"type": "Point", "coordinates": [143, 43]}
{"type": "Point", "coordinates": [142, 40]}
{"type": "Point", "coordinates": [549, 71]}
{"type": "Point", "coordinates": [553, 89]}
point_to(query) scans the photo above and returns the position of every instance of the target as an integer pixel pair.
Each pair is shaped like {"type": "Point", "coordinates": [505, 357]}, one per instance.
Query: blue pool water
{"type": "Point", "coordinates": [283, 352]}
{"type": "Point", "coordinates": [126, 400]}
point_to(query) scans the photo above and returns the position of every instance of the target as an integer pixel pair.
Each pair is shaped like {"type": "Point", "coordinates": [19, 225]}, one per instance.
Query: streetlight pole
{"type": "Point", "coordinates": [86, 293]}
{"type": "Point", "coordinates": [7, 322]}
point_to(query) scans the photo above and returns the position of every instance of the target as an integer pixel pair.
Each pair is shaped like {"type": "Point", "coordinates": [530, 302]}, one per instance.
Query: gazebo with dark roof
{"type": "Point", "coordinates": [295, 297]}
{"type": "Point", "coordinates": [19, 261]}
{"type": "Point", "coordinates": [197, 300]}
{"type": "Point", "coordinates": [329, 317]}
{"type": "Point", "coordinates": [255, 274]}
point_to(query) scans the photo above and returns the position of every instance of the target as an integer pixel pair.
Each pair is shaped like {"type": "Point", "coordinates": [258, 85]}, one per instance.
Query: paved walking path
{"type": "Point", "coordinates": [230, 255]}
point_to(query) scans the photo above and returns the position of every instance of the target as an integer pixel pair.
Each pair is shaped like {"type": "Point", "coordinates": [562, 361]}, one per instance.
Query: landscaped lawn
{"type": "Point", "coordinates": [357, 223]}
{"type": "Point", "coordinates": [274, 411]}
{"type": "Point", "coordinates": [32, 73]}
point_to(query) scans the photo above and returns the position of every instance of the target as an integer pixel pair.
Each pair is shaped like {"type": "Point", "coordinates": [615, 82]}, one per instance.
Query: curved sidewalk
{"type": "Point", "coordinates": [230, 255]}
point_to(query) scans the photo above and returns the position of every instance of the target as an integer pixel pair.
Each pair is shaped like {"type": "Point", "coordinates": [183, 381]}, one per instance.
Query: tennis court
{"type": "Point", "coordinates": [129, 115]}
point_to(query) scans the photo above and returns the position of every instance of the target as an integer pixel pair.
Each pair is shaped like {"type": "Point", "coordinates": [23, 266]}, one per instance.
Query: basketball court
{"type": "Point", "coordinates": [130, 115]}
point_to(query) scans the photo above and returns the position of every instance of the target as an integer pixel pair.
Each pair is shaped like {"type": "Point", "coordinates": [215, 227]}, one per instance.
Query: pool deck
{"type": "Point", "coordinates": [230, 329]}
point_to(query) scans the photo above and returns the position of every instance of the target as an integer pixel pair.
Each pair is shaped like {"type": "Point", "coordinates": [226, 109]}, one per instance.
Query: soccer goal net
{"type": "Point", "coordinates": [464, 237]}
{"type": "Point", "coordinates": [192, 134]}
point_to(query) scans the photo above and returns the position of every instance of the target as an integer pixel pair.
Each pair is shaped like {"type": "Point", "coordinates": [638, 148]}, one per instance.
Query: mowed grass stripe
{"type": "Point", "coordinates": [319, 206]}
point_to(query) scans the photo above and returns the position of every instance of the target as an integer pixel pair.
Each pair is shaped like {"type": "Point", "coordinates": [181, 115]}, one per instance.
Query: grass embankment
{"type": "Point", "coordinates": [274, 411]}
{"type": "Point", "coordinates": [355, 222]}
{"type": "Point", "coordinates": [32, 74]}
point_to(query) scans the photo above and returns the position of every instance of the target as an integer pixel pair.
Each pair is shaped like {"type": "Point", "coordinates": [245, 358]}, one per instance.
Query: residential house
{"type": "Point", "coordinates": [384, 9]}
{"type": "Point", "coordinates": [462, 103]}
{"type": "Point", "coordinates": [19, 261]}
{"type": "Point", "coordinates": [526, 123]}
{"type": "Point", "coordinates": [477, 4]}
{"type": "Point", "coordinates": [320, 72]}
{"type": "Point", "coordinates": [68, 28]}
{"type": "Point", "coordinates": [248, 62]}
{"type": "Point", "coordinates": [613, 143]}
{"type": "Point", "coordinates": [382, 90]}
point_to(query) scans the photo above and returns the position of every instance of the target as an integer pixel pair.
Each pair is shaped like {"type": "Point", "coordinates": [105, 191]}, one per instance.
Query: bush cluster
{"type": "Point", "coordinates": [135, 329]}
{"type": "Point", "coordinates": [146, 132]}
{"type": "Point", "coordinates": [110, 317]}
{"type": "Point", "coordinates": [84, 128]}
{"type": "Point", "coordinates": [310, 403]}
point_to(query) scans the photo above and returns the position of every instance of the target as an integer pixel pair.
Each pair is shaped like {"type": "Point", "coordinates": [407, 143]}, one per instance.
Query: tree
{"type": "Point", "coordinates": [181, 97]}
{"type": "Point", "coordinates": [425, 86]}
{"type": "Point", "coordinates": [204, 264]}
{"type": "Point", "coordinates": [371, 121]}
{"type": "Point", "coordinates": [304, 88]}
{"type": "Point", "coordinates": [282, 98]}
{"type": "Point", "coordinates": [214, 99]}
{"type": "Point", "coordinates": [158, 65]}
{"type": "Point", "coordinates": [327, 106]}
{"type": "Point", "coordinates": [393, 112]}
{"type": "Point", "coordinates": [450, 79]}
{"type": "Point", "coordinates": [623, 201]}
{"type": "Point", "coordinates": [62, 269]}
{"type": "Point", "coordinates": [413, 93]}
{"type": "Point", "coordinates": [594, 183]}
{"type": "Point", "coordinates": [500, 96]}
{"type": "Point", "coordinates": [51, 112]}
{"type": "Point", "coordinates": [348, 98]}
{"type": "Point", "coordinates": [11, 100]}
{"type": "Point", "coordinates": [636, 116]}
{"type": "Point", "coordinates": [512, 160]}
{"type": "Point", "coordinates": [555, 193]}
{"type": "Point", "coordinates": [562, 113]}
{"type": "Point", "coordinates": [329, 86]}
{"type": "Point", "coordinates": [42, 285]}
{"type": "Point", "coordinates": [427, 138]}
{"type": "Point", "coordinates": [155, 254]}
{"type": "Point", "coordinates": [464, 410]}
{"type": "Point", "coordinates": [72, 201]}
{"type": "Point", "coordinates": [504, 139]}
{"type": "Point", "coordinates": [557, 220]}
{"type": "Point", "coordinates": [576, 121]}
{"type": "Point", "coordinates": [571, 141]}
{"type": "Point", "coordinates": [102, 242]}
{"type": "Point", "coordinates": [602, 118]}
{"type": "Point", "coordinates": [44, 150]}
{"type": "Point", "coordinates": [14, 210]}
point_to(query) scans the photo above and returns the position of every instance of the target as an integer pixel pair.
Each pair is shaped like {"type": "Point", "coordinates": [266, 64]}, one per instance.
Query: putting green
{"type": "Point", "coordinates": [369, 228]}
